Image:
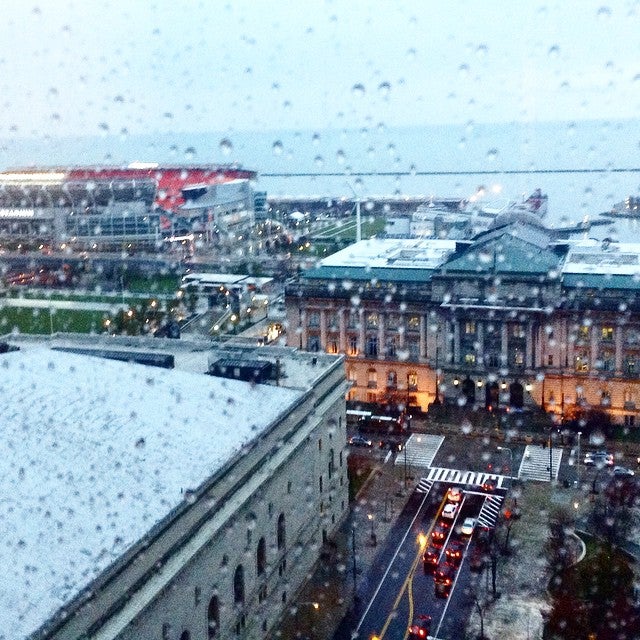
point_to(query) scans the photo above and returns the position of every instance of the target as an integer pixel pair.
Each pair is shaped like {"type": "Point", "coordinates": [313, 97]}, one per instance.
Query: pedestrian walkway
{"type": "Point", "coordinates": [535, 463]}
{"type": "Point", "coordinates": [490, 511]}
{"type": "Point", "coordinates": [420, 450]}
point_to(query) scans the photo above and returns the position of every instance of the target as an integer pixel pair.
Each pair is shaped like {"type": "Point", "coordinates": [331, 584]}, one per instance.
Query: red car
{"type": "Point", "coordinates": [439, 535]}
{"type": "Point", "coordinates": [430, 559]}
{"type": "Point", "coordinates": [420, 628]}
{"type": "Point", "coordinates": [453, 553]}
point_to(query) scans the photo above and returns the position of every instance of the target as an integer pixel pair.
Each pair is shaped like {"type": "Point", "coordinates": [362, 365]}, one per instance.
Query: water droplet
{"type": "Point", "coordinates": [315, 139]}
{"type": "Point", "coordinates": [554, 51]}
{"type": "Point", "coordinates": [118, 98]}
{"type": "Point", "coordinates": [371, 152]}
{"type": "Point", "coordinates": [190, 153]}
{"type": "Point", "coordinates": [492, 154]}
{"type": "Point", "coordinates": [412, 169]}
{"type": "Point", "coordinates": [226, 146]}
{"type": "Point", "coordinates": [604, 13]}
{"type": "Point", "coordinates": [463, 70]}
{"type": "Point", "coordinates": [340, 156]}
{"type": "Point", "coordinates": [104, 127]}
{"type": "Point", "coordinates": [482, 50]}
{"type": "Point", "coordinates": [384, 88]}
{"type": "Point", "coordinates": [358, 90]}
{"type": "Point", "coordinates": [318, 161]}
{"type": "Point", "coordinates": [168, 116]}
{"type": "Point", "coordinates": [411, 54]}
{"type": "Point", "coordinates": [277, 148]}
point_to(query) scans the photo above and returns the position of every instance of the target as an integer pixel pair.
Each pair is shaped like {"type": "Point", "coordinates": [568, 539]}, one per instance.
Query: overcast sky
{"type": "Point", "coordinates": [112, 66]}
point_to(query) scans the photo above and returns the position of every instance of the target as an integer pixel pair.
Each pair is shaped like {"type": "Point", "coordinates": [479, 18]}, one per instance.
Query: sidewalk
{"type": "Point", "coordinates": [331, 585]}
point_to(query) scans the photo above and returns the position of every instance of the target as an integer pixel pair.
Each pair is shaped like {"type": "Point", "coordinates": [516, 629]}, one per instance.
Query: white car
{"type": "Point", "coordinates": [468, 526]}
{"type": "Point", "coordinates": [450, 510]}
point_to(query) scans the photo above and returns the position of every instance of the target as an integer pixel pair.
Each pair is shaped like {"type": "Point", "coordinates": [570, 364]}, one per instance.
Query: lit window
{"type": "Point", "coordinates": [353, 346]}
{"type": "Point", "coordinates": [412, 380]}
{"type": "Point", "coordinates": [607, 333]}
{"type": "Point", "coordinates": [470, 327]}
{"type": "Point", "coordinates": [470, 358]}
{"type": "Point", "coordinates": [372, 321]}
{"type": "Point", "coordinates": [413, 323]}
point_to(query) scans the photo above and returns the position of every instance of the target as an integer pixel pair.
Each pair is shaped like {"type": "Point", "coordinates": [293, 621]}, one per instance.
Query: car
{"type": "Point", "coordinates": [430, 559]}
{"type": "Point", "coordinates": [454, 494]}
{"type": "Point", "coordinates": [453, 554]}
{"type": "Point", "coordinates": [359, 441]}
{"type": "Point", "coordinates": [443, 579]}
{"type": "Point", "coordinates": [439, 534]}
{"type": "Point", "coordinates": [420, 628]}
{"type": "Point", "coordinates": [489, 484]}
{"type": "Point", "coordinates": [623, 472]}
{"type": "Point", "coordinates": [449, 511]}
{"type": "Point", "coordinates": [468, 526]}
{"type": "Point", "coordinates": [598, 459]}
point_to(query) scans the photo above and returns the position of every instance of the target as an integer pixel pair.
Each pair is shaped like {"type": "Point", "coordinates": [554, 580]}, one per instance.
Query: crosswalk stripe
{"type": "Point", "coordinates": [457, 476]}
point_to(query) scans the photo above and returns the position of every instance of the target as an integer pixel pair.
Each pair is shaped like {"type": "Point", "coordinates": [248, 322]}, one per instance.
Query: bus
{"type": "Point", "coordinates": [368, 421]}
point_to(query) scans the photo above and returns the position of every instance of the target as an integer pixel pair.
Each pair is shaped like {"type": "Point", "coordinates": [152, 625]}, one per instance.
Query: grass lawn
{"type": "Point", "coordinates": [153, 285]}
{"type": "Point", "coordinates": [40, 321]}
{"type": "Point", "coordinates": [359, 471]}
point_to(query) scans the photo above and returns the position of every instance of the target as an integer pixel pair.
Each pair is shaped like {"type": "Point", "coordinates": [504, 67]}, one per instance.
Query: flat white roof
{"type": "Point", "coordinates": [95, 453]}
{"type": "Point", "coordinates": [418, 253]}
{"type": "Point", "coordinates": [606, 258]}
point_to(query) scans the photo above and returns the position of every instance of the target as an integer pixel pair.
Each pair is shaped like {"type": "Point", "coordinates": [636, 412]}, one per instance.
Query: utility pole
{"type": "Point", "coordinates": [551, 454]}
{"type": "Point", "coordinates": [353, 546]}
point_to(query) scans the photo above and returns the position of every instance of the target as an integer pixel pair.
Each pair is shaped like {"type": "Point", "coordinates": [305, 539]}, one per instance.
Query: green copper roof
{"type": "Point", "coordinates": [391, 274]}
{"type": "Point", "coordinates": [504, 254]}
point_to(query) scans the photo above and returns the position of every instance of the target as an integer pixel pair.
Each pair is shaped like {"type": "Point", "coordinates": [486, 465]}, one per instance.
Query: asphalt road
{"type": "Point", "coordinates": [398, 589]}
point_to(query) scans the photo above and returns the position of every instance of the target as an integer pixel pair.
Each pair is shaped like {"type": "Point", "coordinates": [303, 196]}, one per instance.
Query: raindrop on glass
{"type": "Point", "coordinates": [384, 88]}
{"type": "Point", "coordinates": [226, 147]}
{"type": "Point", "coordinates": [358, 90]}
{"type": "Point", "coordinates": [277, 148]}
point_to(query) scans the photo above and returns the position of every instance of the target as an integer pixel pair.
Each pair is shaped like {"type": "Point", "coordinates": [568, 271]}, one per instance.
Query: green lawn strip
{"type": "Point", "coordinates": [155, 285]}
{"type": "Point", "coordinates": [40, 321]}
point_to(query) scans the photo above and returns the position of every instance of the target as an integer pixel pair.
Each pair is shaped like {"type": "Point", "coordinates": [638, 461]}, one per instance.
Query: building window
{"type": "Point", "coordinates": [517, 331]}
{"type": "Point", "coordinates": [372, 379]}
{"type": "Point", "coordinates": [584, 332]}
{"type": "Point", "coordinates": [372, 321]}
{"type": "Point", "coordinates": [607, 333]}
{"type": "Point", "coordinates": [581, 363]}
{"type": "Point", "coordinates": [320, 487]}
{"type": "Point", "coordinates": [518, 358]}
{"type": "Point", "coordinates": [393, 321]}
{"type": "Point", "coordinates": [392, 380]}
{"type": "Point", "coordinates": [196, 596]}
{"type": "Point", "coordinates": [413, 323]}
{"type": "Point", "coordinates": [332, 346]}
{"type": "Point", "coordinates": [185, 635]}
{"type": "Point", "coordinates": [314, 319]}
{"type": "Point", "coordinates": [332, 463]}
{"type": "Point", "coordinates": [281, 536]}
{"type": "Point", "coordinates": [470, 327]}
{"type": "Point", "coordinates": [630, 366]}
{"type": "Point", "coordinates": [629, 421]}
{"type": "Point", "coordinates": [213, 617]}
{"type": "Point", "coordinates": [605, 398]}
{"type": "Point", "coordinates": [261, 557]}
{"type": "Point", "coordinates": [262, 593]}
{"type": "Point", "coordinates": [353, 346]}
{"type": "Point", "coordinates": [372, 346]}
{"type": "Point", "coordinates": [352, 320]}
{"type": "Point", "coordinates": [412, 381]}
{"type": "Point", "coordinates": [340, 458]}
{"type": "Point", "coordinates": [470, 358]}
{"type": "Point", "coordinates": [351, 374]}
{"type": "Point", "coordinates": [313, 343]}
{"type": "Point", "coordinates": [414, 349]}
{"type": "Point", "coordinates": [238, 585]}
{"type": "Point", "coordinates": [372, 396]}
{"type": "Point", "coordinates": [390, 347]}
{"type": "Point", "coordinates": [607, 362]}
{"type": "Point", "coordinates": [550, 360]}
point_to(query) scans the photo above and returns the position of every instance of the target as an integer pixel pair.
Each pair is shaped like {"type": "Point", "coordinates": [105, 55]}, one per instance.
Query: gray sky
{"type": "Point", "coordinates": [116, 66]}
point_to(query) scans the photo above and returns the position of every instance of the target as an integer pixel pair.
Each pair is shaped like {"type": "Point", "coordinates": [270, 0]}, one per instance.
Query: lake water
{"type": "Point", "coordinates": [584, 167]}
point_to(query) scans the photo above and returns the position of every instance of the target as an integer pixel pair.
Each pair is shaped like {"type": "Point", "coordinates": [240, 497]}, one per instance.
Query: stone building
{"type": "Point", "coordinates": [162, 504]}
{"type": "Point", "coordinates": [512, 317]}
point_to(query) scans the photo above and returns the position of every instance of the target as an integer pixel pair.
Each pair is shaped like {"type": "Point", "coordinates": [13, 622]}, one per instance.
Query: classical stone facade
{"type": "Point", "coordinates": [226, 560]}
{"type": "Point", "coordinates": [515, 312]}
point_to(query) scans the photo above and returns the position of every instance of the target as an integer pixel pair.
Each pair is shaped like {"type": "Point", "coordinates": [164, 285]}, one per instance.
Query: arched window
{"type": "Point", "coordinates": [261, 557]}
{"type": "Point", "coordinates": [213, 617]}
{"type": "Point", "coordinates": [185, 635]}
{"type": "Point", "coordinates": [282, 540]}
{"type": "Point", "coordinates": [238, 585]}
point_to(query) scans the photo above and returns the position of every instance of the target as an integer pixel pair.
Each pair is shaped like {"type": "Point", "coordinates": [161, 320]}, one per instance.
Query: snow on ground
{"type": "Point", "coordinates": [95, 452]}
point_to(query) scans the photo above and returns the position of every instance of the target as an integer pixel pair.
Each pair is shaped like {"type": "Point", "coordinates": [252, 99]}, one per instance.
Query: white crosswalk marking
{"type": "Point", "coordinates": [490, 511]}
{"type": "Point", "coordinates": [420, 450]}
{"type": "Point", "coordinates": [535, 463]}
{"type": "Point", "coordinates": [469, 478]}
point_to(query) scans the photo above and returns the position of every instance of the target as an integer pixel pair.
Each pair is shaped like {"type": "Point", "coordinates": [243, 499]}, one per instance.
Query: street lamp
{"type": "Point", "coordinates": [374, 541]}
{"type": "Point", "coordinates": [578, 460]}
{"type": "Point", "coordinates": [510, 460]}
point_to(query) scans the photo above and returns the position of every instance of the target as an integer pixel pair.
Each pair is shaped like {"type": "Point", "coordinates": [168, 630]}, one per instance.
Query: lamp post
{"type": "Point", "coordinates": [578, 461]}
{"type": "Point", "coordinates": [355, 569]}
{"type": "Point", "coordinates": [437, 386]}
{"type": "Point", "coordinates": [510, 462]}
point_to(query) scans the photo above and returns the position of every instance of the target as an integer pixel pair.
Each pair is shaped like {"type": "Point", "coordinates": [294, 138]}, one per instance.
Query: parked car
{"type": "Point", "coordinates": [598, 459]}
{"type": "Point", "coordinates": [623, 472]}
{"type": "Point", "coordinates": [359, 441]}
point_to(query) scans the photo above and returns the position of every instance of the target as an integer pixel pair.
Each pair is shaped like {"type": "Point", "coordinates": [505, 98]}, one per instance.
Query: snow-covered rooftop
{"type": "Point", "coordinates": [95, 453]}
{"type": "Point", "coordinates": [418, 253]}
{"type": "Point", "coordinates": [605, 258]}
